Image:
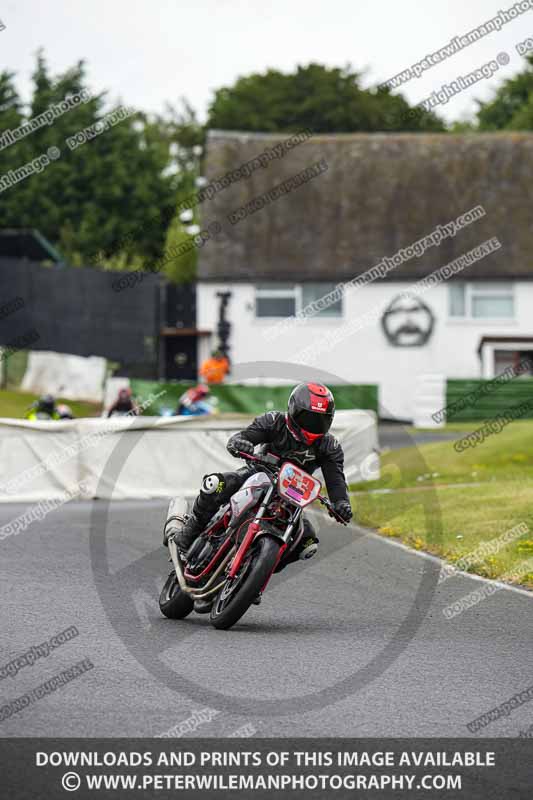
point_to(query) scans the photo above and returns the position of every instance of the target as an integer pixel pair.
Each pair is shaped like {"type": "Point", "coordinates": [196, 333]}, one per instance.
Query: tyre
{"type": "Point", "coordinates": [236, 597]}
{"type": "Point", "coordinates": [174, 603]}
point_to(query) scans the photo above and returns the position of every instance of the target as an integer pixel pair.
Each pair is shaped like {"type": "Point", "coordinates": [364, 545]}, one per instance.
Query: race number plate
{"type": "Point", "coordinates": [297, 486]}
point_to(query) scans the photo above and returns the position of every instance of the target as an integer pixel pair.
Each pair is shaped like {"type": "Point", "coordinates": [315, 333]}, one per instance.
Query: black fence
{"type": "Point", "coordinates": [80, 311]}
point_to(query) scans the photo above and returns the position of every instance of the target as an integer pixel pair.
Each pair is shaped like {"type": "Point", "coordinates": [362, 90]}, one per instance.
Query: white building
{"type": "Point", "coordinates": [375, 202]}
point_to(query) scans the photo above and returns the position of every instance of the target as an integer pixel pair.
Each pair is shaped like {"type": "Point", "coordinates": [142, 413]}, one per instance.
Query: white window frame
{"type": "Point", "coordinates": [292, 291]}
{"type": "Point", "coordinates": [480, 288]}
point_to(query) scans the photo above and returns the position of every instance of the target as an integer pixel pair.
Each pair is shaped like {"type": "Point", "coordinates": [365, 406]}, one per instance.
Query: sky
{"type": "Point", "coordinates": [148, 54]}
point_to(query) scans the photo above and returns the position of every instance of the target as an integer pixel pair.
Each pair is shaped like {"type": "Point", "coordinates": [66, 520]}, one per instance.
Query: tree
{"type": "Point", "coordinates": [90, 197]}
{"type": "Point", "coordinates": [186, 141]}
{"type": "Point", "coordinates": [315, 98]}
{"type": "Point", "coordinates": [512, 106]}
{"type": "Point", "coordinates": [10, 118]}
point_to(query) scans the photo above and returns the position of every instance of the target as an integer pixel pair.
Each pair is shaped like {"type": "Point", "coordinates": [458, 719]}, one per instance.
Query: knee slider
{"type": "Point", "coordinates": [213, 484]}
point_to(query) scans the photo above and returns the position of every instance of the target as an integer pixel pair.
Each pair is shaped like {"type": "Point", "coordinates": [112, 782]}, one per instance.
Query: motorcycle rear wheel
{"type": "Point", "coordinates": [235, 599]}
{"type": "Point", "coordinates": [174, 603]}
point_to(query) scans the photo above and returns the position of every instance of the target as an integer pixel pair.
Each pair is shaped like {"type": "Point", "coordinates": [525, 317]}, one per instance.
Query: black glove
{"type": "Point", "coordinates": [343, 509]}
{"type": "Point", "coordinates": [237, 444]}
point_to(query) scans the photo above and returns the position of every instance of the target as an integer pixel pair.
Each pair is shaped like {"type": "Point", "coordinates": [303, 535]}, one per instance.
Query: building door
{"type": "Point", "coordinates": [181, 361]}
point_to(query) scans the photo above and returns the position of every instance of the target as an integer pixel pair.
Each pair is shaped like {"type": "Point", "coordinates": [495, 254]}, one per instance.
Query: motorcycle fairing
{"type": "Point", "coordinates": [248, 495]}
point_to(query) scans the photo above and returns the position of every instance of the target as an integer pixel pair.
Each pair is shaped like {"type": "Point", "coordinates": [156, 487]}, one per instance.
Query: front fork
{"type": "Point", "coordinates": [285, 537]}
{"type": "Point", "coordinates": [253, 530]}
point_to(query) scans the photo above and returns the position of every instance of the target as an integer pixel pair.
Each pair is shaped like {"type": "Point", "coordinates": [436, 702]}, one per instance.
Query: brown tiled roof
{"type": "Point", "coordinates": [380, 193]}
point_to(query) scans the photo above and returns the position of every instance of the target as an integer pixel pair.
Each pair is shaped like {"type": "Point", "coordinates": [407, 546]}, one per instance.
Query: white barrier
{"type": "Point", "coordinates": [62, 375]}
{"type": "Point", "coordinates": [144, 457]}
{"type": "Point", "coordinates": [429, 397]}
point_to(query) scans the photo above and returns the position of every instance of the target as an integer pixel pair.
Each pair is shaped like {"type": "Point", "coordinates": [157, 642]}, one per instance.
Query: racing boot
{"type": "Point", "coordinates": [190, 531]}
{"type": "Point", "coordinates": [308, 545]}
{"type": "Point", "coordinates": [206, 504]}
{"type": "Point", "coordinates": [307, 548]}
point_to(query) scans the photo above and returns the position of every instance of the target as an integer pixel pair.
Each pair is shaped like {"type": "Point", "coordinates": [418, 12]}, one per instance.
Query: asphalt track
{"type": "Point", "coordinates": [353, 643]}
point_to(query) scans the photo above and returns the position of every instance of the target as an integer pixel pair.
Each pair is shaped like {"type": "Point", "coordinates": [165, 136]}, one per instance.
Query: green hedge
{"type": "Point", "coordinates": [489, 404]}
{"type": "Point", "coordinates": [16, 367]}
{"type": "Point", "coordinates": [235, 398]}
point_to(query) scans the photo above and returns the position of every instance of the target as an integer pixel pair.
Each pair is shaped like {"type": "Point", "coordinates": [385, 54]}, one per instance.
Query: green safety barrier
{"type": "Point", "coordinates": [486, 404]}
{"type": "Point", "coordinates": [236, 398]}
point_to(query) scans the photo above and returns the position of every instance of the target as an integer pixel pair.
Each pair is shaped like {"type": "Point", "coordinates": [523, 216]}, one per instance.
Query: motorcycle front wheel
{"type": "Point", "coordinates": [236, 596]}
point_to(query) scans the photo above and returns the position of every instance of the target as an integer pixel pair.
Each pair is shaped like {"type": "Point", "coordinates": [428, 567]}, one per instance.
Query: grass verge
{"type": "Point", "coordinates": [449, 504]}
{"type": "Point", "coordinates": [15, 404]}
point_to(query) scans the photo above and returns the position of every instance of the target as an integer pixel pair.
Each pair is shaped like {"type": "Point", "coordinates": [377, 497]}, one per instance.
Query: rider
{"type": "Point", "coordinates": [193, 401]}
{"type": "Point", "coordinates": [124, 403]}
{"type": "Point", "coordinates": [43, 408]}
{"type": "Point", "coordinates": [300, 436]}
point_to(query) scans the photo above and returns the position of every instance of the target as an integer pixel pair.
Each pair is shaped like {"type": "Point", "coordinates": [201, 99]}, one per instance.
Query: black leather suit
{"type": "Point", "coordinates": [271, 430]}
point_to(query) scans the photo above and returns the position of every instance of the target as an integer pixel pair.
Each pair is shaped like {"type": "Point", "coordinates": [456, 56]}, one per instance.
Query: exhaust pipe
{"type": "Point", "coordinates": [173, 550]}
{"type": "Point", "coordinates": [176, 513]}
{"type": "Point", "coordinates": [204, 591]}
{"type": "Point", "coordinates": [177, 509]}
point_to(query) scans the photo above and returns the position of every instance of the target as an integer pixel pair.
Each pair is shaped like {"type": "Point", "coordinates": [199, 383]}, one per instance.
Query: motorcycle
{"type": "Point", "coordinates": [228, 567]}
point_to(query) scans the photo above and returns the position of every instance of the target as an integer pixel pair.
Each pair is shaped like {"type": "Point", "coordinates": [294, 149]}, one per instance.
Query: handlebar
{"type": "Point", "coordinates": [331, 511]}
{"type": "Point", "coordinates": [271, 461]}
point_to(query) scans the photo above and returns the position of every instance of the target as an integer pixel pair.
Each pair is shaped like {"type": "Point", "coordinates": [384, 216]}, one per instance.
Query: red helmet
{"type": "Point", "coordinates": [198, 392]}
{"type": "Point", "coordinates": [311, 411]}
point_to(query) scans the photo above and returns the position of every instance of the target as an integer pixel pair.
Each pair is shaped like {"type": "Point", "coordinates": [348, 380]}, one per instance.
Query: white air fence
{"type": "Point", "coordinates": [143, 457]}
